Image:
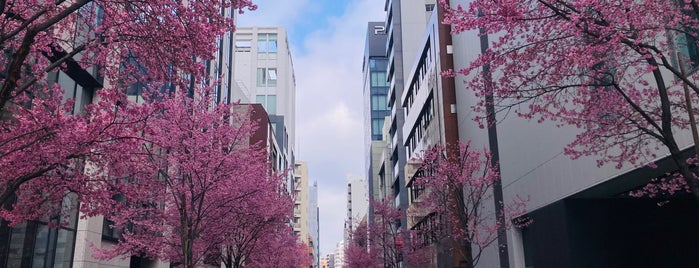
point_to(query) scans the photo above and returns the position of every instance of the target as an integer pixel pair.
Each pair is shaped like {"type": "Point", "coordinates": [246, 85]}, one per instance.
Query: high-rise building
{"type": "Point", "coordinates": [339, 256]}
{"type": "Point", "coordinates": [574, 205]}
{"type": "Point", "coordinates": [429, 100]}
{"type": "Point", "coordinates": [357, 202]}
{"type": "Point", "coordinates": [264, 73]}
{"type": "Point", "coordinates": [331, 260]}
{"type": "Point", "coordinates": [302, 211]}
{"type": "Point", "coordinates": [375, 105]}
{"type": "Point", "coordinates": [405, 24]}
{"type": "Point", "coordinates": [313, 222]}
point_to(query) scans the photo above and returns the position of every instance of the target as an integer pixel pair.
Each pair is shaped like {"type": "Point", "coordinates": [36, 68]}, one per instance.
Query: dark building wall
{"type": "Point", "coordinates": [259, 115]}
{"type": "Point", "coordinates": [614, 232]}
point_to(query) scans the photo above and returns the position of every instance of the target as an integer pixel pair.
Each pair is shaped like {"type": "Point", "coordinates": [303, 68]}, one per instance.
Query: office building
{"type": "Point", "coordinates": [375, 105]}
{"type": "Point", "coordinates": [330, 258]}
{"type": "Point", "coordinates": [405, 23]}
{"type": "Point", "coordinates": [314, 223]}
{"type": "Point", "coordinates": [339, 256]}
{"type": "Point", "coordinates": [357, 202]}
{"type": "Point", "coordinates": [264, 73]}
{"type": "Point", "coordinates": [302, 221]}
{"type": "Point", "coordinates": [574, 205]}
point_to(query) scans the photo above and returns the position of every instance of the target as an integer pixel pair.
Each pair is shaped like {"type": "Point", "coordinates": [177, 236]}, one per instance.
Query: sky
{"type": "Point", "coordinates": [327, 39]}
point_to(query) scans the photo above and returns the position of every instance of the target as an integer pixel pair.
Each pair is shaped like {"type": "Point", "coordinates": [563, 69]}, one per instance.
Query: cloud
{"type": "Point", "coordinates": [327, 41]}
{"type": "Point", "coordinates": [275, 13]}
{"type": "Point", "coordinates": [330, 109]}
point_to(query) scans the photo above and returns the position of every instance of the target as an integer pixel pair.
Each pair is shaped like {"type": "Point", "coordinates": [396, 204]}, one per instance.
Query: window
{"type": "Point", "coordinates": [267, 46]}
{"type": "Point", "coordinates": [266, 77]}
{"type": "Point", "coordinates": [378, 103]}
{"type": "Point", "coordinates": [272, 77]}
{"type": "Point", "coordinates": [243, 45]}
{"type": "Point", "coordinates": [376, 126]}
{"type": "Point", "coordinates": [378, 79]}
{"type": "Point", "coordinates": [687, 45]}
{"type": "Point", "coordinates": [269, 103]}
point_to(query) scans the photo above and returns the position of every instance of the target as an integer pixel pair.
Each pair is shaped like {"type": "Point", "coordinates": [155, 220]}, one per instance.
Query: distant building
{"type": "Point", "coordinates": [339, 256]}
{"type": "Point", "coordinates": [302, 220]}
{"type": "Point", "coordinates": [313, 222]}
{"type": "Point", "coordinates": [357, 201]}
{"type": "Point", "coordinates": [331, 260]}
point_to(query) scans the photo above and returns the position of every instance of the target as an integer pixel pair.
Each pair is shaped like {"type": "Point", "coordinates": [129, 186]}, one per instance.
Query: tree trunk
{"type": "Point", "coordinates": [15, 68]}
{"type": "Point", "coordinates": [238, 262]}
{"type": "Point", "coordinates": [228, 262]}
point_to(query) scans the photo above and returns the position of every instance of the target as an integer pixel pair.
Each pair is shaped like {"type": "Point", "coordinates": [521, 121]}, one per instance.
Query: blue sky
{"type": "Point", "coordinates": [327, 45]}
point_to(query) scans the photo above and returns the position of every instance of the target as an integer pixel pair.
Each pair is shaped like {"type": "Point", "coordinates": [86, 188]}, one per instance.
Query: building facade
{"type": "Point", "coordinates": [302, 221]}
{"type": "Point", "coordinates": [357, 202]}
{"type": "Point", "coordinates": [580, 213]}
{"type": "Point", "coordinates": [405, 23]}
{"type": "Point", "coordinates": [264, 74]}
{"type": "Point", "coordinates": [375, 105]}
{"type": "Point", "coordinates": [314, 222]}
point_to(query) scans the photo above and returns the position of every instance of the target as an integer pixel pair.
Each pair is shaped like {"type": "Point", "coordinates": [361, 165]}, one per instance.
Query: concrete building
{"type": "Point", "coordinates": [339, 256]}
{"type": "Point", "coordinates": [264, 73]}
{"type": "Point", "coordinates": [330, 257]}
{"type": "Point", "coordinates": [314, 223]}
{"type": "Point", "coordinates": [581, 214]}
{"type": "Point", "coordinates": [300, 221]}
{"type": "Point", "coordinates": [357, 201]}
{"type": "Point", "coordinates": [405, 23]}
{"type": "Point", "coordinates": [323, 262]}
{"type": "Point", "coordinates": [429, 101]}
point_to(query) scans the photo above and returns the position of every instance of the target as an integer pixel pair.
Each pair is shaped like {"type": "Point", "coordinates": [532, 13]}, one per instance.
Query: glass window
{"type": "Point", "coordinates": [378, 102]}
{"type": "Point", "coordinates": [261, 46]}
{"type": "Point", "coordinates": [376, 126]}
{"type": "Point", "coordinates": [272, 77]}
{"type": "Point", "coordinates": [266, 46]}
{"type": "Point", "coordinates": [382, 102]}
{"type": "Point", "coordinates": [272, 45]}
{"type": "Point", "coordinates": [382, 79]}
{"type": "Point", "coordinates": [243, 45]}
{"type": "Point", "coordinates": [266, 77]}
{"type": "Point", "coordinates": [260, 99]}
{"type": "Point", "coordinates": [378, 79]}
{"type": "Point", "coordinates": [272, 104]}
{"type": "Point", "coordinates": [261, 77]}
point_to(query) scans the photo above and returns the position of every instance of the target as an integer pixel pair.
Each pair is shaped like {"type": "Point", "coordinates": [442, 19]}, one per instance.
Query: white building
{"type": "Point", "coordinates": [340, 255]}
{"type": "Point", "coordinates": [357, 200]}
{"type": "Point", "coordinates": [264, 72]}
{"type": "Point", "coordinates": [313, 222]}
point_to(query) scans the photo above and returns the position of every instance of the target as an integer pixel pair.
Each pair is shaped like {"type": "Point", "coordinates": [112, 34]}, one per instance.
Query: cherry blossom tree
{"type": "Point", "coordinates": [357, 252]}
{"type": "Point", "coordinates": [44, 151]}
{"type": "Point", "coordinates": [457, 187]}
{"type": "Point", "coordinates": [261, 227]}
{"type": "Point", "coordinates": [381, 243]}
{"type": "Point", "coordinates": [280, 249]}
{"type": "Point", "coordinates": [609, 68]}
{"type": "Point", "coordinates": [46, 144]}
{"type": "Point", "coordinates": [194, 173]}
{"type": "Point", "coordinates": [384, 236]}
